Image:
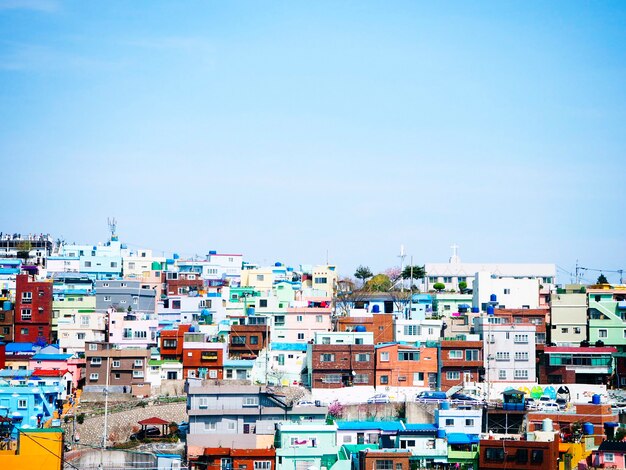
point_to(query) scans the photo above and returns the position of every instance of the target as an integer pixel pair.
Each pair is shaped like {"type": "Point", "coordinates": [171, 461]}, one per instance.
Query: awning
{"type": "Point", "coordinates": [464, 306]}
{"type": "Point", "coordinates": [461, 438]}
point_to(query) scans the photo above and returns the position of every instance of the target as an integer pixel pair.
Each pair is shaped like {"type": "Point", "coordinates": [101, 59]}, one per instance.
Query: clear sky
{"type": "Point", "coordinates": [289, 130]}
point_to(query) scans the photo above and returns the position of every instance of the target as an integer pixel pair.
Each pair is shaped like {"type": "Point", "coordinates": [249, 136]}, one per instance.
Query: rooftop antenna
{"type": "Point", "coordinates": [402, 256]}
{"type": "Point", "coordinates": [112, 228]}
{"type": "Point", "coordinates": [454, 259]}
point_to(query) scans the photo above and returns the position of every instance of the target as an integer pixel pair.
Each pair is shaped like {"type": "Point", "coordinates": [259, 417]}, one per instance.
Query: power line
{"type": "Point", "coordinates": [48, 450]}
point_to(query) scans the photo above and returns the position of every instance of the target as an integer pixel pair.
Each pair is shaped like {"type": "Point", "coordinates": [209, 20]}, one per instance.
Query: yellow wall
{"type": "Point", "coordinates": [578, 453]}
{"type": "Point", "coordinates": [37, 449]}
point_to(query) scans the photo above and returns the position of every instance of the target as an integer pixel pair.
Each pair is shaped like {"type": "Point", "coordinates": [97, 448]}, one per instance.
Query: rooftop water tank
{"type": "Point", "coordinates": [490, 310]}
{"type": "Point", "coordinates": [475, 310]}
{"type": "Point", "coordinates": [6, 305]}
{"type": "Point", "coordinates": [595, 399]}
{"type": "Point", "coordinates": [445, 405]}
{"type": "Point", "coordinates": [376, 309]}
{"type": "Point", "coordinates": [278, 263]}
{"type": "Point", "coordinates": [250, 310]}
{"type": "Point", "coordinates": [360, 329]}
{"type": "Point", "coordinates": [169, 261]}
{"type": "Point", "coordinates": [546, 425]}
{"type": "Point", "coordinates": [493, 298]}
{"type": "Point", "coordinates": [441, 433]}
{"type": "Point", "coordinates": [212, 252]}
{"type": "Point", "coordinates": [588, 429]}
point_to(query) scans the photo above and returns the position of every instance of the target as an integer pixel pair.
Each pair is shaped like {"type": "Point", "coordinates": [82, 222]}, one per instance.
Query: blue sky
{"type": "Point", "coordinates": [286, 130]}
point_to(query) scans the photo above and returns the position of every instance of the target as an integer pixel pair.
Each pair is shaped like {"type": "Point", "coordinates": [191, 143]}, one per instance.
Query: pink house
{"type": "Point", "coordinates": [610, 454]}
{"type": "Point", "coordinates": [52, 361]}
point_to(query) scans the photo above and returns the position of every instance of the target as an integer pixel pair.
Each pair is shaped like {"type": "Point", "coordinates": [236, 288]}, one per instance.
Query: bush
{"type": "Point", "coordinates": [80, 419]}
{"type": "Point", "coordinates": [439, 286]}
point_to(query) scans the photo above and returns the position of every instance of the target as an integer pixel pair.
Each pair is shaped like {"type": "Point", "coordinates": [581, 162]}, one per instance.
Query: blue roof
{"type": "Point", "coordinates": [388, 426]}
{"type": "Point", "coordinates": [288, 346]}
{"type": "Point", "coordinates": [462, 438]}
{"type": "Point", "coordinates": [19, 347]}
{"type": "Point", "coordinates": [422, 427]}
{"type": "Point", "coordinates": [51, 357]}
{"type": "Point", "coordinates": [239, 363]}
{"type": "Point", "coordinates": [15, 373]}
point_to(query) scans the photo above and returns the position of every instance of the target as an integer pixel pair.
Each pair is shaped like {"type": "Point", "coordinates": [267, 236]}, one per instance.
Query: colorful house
{"type": "Point", "coordinates": [28, 407]}
{"type": "Point", "coordinates": [34, 448]}
{"type": "Point", "coordinates": [610, 454]}
{"type": "Point", "coordinates": [305, 445]}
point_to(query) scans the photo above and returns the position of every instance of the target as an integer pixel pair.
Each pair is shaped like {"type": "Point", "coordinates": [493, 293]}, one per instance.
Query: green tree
{"type": "Point", "coordinates": [419, 272]}
{"type": "Point", "coordinates": [363, 273]}
{"type": "Point", "coordinates": [439, 286]}
{"type": "Point", "coordinates": [379, 283]}
{"type": "Point", "coordinates": [602, 279]}
{"type": "Point", "coordinates": [462, 287]}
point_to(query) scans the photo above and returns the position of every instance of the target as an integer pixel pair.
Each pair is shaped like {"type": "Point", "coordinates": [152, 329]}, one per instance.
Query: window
{"type": "Point", "coordinates": [576, 330]}
{"type": "Point", "coordinates": [471, 355]}
{"type": "Point", "coordinates": [138, 374]}
{"type": "Point", "coordinates": [521, 339]}
{"type": "Point", "coordinates": [503, 356]}
{"type": "Point", "coordinates": [408, 355]}
{"type": "Point", "coordinates": [536, 456]}
{"type": "Point", "coordinates": [26, 314]}
{"type": "Point", "coordinates": [410, 330]}
{"type": "Point", "coordinates": [432, 279]}
{"type": "Point", "coordinates": [361, 379]}
{"type": "Point", "coordinates": [521, 456]}
{"type": "Point", "coordinates": [384, 465]}
{"type": "Point", "coordinates": [384, 379]}
{"type": "Point", "coordinates": [327, 358]}
{"type": "Point", "coordinates": [280, 359]}
{"type": "Point", "coordinates": [501, 375]}
{"type": "Point", "coordinates": [449, 421]}
{"type": "Point", "coordinates": [88, 264]}
{"type": "Point", "coordinates": [107, 298]}
{"type": "Point", "coordinates": [96, 361]}
{"type": "Point", "coordinates": [384, 357]}
{"type": "Point", "coordinates": [262, 465]}
{"type": "Point", "coordinates": [319, 318]}
{"type": "Point", "coordinates": [321, 280]}
{"type": "Point", "coordinates": [117, 375]}
{"type": "Point", "coordinates": [507, 291]}
{"type": "Point", "coordinates": [602, 333]}
{"type": "Point", "coordinates": [116, 363]}
{"type": "Point", "coordinates": [80, 335]}
{"type": "Point", "coordinates": [494, 454]}
{"type": "Point", "coordinates": [22, 404]}
{"type": "Point", "coordinates": [169, 344]}
{"type": "Point", "coordinates": [332, 379]}
{"type": "Point", "coordinates": [262, 302]}
{"type": "Point", "coordinates": [24, 331]}
{"type": "Point", "coordinates": [362, 357]}
{"type": "Point", "coordinates": [238, 340]}
{"type": "Point", "coordinates": [176, 304]}
{"type": "Point", "coordinates": [609, 457]}
{"type": "Point", "coordinates": [300, 335]}
{"type": "Point", "coordinates": [93, 376]}
{"type": "Point", "coordinates": [521, 356]}
{"type": "Point", "coordinates": [254, 340]}
{"type": "Point", "coordinates": [141, 334]}
{"type": "Point", "coordinates": [521, 374]}
{"type": "Point", "coordinates": [93, 347]}
{"type": "Point", "coordinates": [27, 296]}
{"type": "Point", "coordinates": [447, 279]}
{"type": "Point", "coordinates": [564, 330]}
{"type": "Point", "coordinates": [138, 362]}
{"type": "Point", "coordinates": [299, 318]}
{"type": "Point", "coordinates": [453, 375]}
{"type": "Point", "coordinates": [455, 354]}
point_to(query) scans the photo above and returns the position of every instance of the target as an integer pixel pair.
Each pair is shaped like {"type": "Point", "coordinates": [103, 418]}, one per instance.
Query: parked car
{"type": "Point", "coordinates": [548, 407]}
{"type": "Point", "coordinates": [305, 403]}
{"type": "Point", "coordinates": [431, 396]}
{"type": "Point", "coordinates": [464, 397]}
{"type": "Point", "coordinates": [562, 402]}
{"type": "Point", "coordinates": [150, 431]}
{"type": "Point", "coordinates": [531, 404]}
{"type": "Point", "coordinates": [379, 398]}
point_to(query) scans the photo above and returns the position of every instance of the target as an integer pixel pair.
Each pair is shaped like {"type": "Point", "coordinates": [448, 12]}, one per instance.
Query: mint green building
{"type": "Point", "coordinates": [607, 317]}
{"type": "Point", "coordinates": [306, 445]}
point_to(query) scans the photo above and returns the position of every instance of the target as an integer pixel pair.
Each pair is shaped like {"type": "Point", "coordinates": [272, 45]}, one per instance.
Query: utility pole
{"type": "Point", "coordinates": [402, 256]}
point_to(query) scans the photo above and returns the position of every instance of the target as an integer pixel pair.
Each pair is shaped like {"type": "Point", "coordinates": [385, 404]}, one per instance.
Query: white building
{"type": "Point", "coordinates": [460, 420]}
{"type": "Point", "coordinates": [455, 271]}
{"type": "Point", "coordinates": [74, 330]}
{"type": "Point", "coordinates": [510, 292]}
{"type": "Point", "coordinates": [412, 331]}
{"type": "Point", "coordinates": [509, 349]}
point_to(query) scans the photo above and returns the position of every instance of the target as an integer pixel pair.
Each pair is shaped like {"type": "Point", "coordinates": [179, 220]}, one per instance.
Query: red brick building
{"type": "Point", "coordinates": [461, 361]}
{"type": "Point", "coordinates": [381, 324]}
{"type": "Point", "coordinates": [402, 365]}
{"type": "Point", "coordinates": [384, 459]}
{"type": "Point", "coordinates": [247, 341]}
{"type": "Point", "coordinates": [33, 310]}
{"type": "Point", "coordinates": [342, 365]}
{"type": "Point", "coordinates": [171, 342]}
{"type": "Point", "coordinates": [519, 455]}
{"type": "Point", "coordinates": [222, 458]}
{"type": "Point", "coordinates": [205, 360]}
{"type": "Point", "coordinates": [180, 283]}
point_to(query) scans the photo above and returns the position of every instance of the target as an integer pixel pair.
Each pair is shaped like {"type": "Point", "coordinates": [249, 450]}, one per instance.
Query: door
{"type": "Point", "coordinates": [467, 377]}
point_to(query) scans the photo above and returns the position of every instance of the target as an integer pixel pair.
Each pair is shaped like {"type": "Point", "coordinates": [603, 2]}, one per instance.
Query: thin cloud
{"type": "Point", "coordinates": [46, 6]}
